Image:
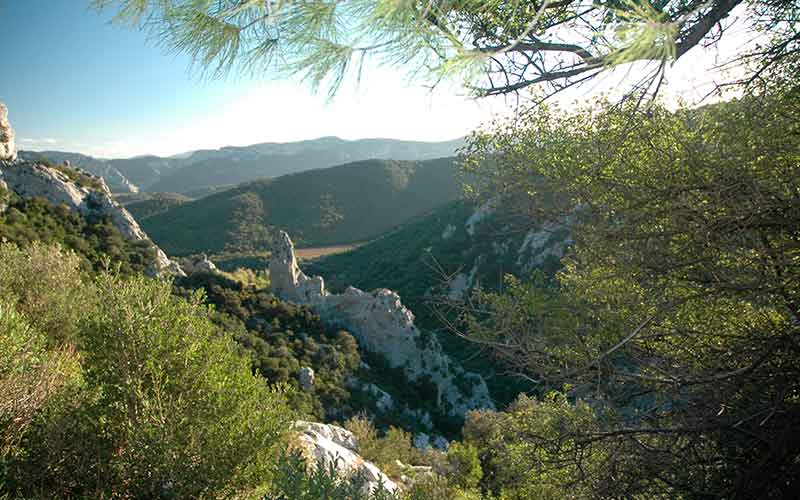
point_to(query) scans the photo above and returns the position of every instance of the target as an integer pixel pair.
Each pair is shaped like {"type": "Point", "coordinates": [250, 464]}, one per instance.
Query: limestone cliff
{"type": "Point", "coordinates": [382, 325]}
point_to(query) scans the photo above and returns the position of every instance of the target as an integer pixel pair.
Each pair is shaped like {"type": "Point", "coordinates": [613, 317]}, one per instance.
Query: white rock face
{"type": "Point", "coordinates": [382, 324]}
{"type": "Point", "coordinates": [483, 212]}
{"type": "Point", "coordinates": [8, 150]}
{"type": "Point", "coordinates": [30, 179]}
{"type": "Point", "coordinates": [3, 196]}
{"type": "Point", "coordinates": [330, 444]}
{"type": "Point", "coordinates": [449, 231]}
{"type": "Point", "coordinates": [306, 378]}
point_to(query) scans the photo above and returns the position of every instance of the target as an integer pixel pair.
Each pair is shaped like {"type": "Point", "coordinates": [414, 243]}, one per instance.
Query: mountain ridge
{"type": "Point", "coordinates": [208, 169]}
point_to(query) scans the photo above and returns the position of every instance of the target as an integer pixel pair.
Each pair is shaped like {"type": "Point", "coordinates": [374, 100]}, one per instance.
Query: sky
{"type": "Point", "coordinates": [74, 81]}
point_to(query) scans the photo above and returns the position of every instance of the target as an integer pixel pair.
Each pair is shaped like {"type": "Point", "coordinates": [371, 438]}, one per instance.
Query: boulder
{"type": "Point", "coordinates": [334, 446]}
{"type": "Point", "coordinates": [382, 324]}
{"type": "Point", "coordinates": [306, 378]}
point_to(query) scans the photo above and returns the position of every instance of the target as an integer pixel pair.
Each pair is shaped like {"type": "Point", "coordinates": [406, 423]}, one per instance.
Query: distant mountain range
{"type": "Point", "coordinates": [208, 170]}
{"type": "Point", "coordinates": [348, 203]}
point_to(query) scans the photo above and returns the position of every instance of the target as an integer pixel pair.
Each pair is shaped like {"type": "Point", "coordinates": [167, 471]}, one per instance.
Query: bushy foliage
{"type": "Point", "coordinates": [464, 465]}
{"type": "Point", "coordinates": [386, 450]}
{"type": "Point", "coordinates": [159, 404]}
{"type": "Point", "coordinates": [52, 301]}
{"type": "Point", "coordinates": [536, 449]}
{"type": "Point", "coordinates": [96, 241]}
{"type": "Point", "coordinates": [281, 338]}
{"type": "Point", "coordinates": [153, 203]}
{"type": "Point", "coordinates": [678, 307]}
{"type": "Point", "coordinates": [32, 376]}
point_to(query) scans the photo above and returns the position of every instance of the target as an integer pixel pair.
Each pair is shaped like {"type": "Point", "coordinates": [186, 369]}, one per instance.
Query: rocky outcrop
{"type": "Point", "coordinates": [383, 325]}
{"type": "Point", "coordinates": [334, 446]}
{"type": "Point", "coordinates": [116, 180]}
{"type": "Point", "coordinates": [8, 150]}
{"type": "Point", "coordinates": [306, 378]}
{"type": "Point", "coordinates": [550, 240]}
{"type": "Point", "coordinates": [30, 179]}
{"type": "Point", "coordinates": [201, 265]}
{"type": "Point", "coordinates": [383, 400]}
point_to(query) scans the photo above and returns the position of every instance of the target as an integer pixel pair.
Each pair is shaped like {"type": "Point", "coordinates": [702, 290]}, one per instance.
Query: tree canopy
{"type": "Point", "coordinates": [495, 46]}
{"type": "Point", "coordinates": [677, 309]}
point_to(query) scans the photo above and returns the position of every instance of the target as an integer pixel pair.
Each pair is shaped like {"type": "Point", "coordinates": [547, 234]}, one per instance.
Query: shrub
{"type": "Point", "coordinates": [464, 465]}
{"type": "Point", "coordinates": [296, 481]}
{"type": "Point", "coordinates": [44, 282]}
{"type": "Point", "coordinates": [167, 408]}
{"type": "Point", "coordinates": [384, 451]}
{"type": "Point", "coordinates": [31, 376]}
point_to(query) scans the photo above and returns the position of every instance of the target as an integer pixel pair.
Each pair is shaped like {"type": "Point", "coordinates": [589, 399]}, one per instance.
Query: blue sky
{"type": "Point", "coordinates": [73, 81]}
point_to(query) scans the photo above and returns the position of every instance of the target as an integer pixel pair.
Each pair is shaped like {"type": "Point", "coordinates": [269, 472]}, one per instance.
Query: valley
{"type": "Point", "coordinates": [592, 293]}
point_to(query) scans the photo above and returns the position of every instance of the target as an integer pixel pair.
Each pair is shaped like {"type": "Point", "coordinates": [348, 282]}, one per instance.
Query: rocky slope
{"type": "Point", "coordinates": [79, 191]}
{"type": "Point", "coordinates": [113, 177]}
{"type": "Point", "coordinates": [382, 325]}
{"type": "Point", "coordinates": [435, 262]}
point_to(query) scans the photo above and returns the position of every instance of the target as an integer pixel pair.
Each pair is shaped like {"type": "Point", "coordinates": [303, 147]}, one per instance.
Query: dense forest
{"type": "Point", "coordinates": [344, 204]}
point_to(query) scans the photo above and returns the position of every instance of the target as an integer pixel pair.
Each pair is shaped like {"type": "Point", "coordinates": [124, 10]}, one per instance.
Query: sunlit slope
{"type": "Point", "coordinates": [349, 203]}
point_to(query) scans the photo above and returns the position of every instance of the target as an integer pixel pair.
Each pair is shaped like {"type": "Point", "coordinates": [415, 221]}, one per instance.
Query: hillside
{"type": "Point", "coordinates": [148, 204]}
{"type": "Point", "coordinates": [205, 171]}
{"type": "Point", "coordinates": [349, 203]}
{"type": "Point", "coordinates": [437, 259]}
{"type": "Point", "coordinates": [233, 165]}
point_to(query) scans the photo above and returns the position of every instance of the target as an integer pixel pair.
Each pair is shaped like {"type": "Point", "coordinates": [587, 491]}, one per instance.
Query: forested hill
{"type": "Point", "coordinates": [234, 165]}
{"type": "Point", "coordinates": [343, 204]}
{"type": "Point", "coordinates": [205, 171]}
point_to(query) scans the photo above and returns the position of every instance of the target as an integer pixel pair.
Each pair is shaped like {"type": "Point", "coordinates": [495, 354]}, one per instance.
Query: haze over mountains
{"type": "Point", "coordinates": [204, 171]}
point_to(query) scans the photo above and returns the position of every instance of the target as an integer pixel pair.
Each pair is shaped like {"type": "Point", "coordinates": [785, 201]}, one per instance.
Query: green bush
{"type": "Point", "coordinates": [95, 240]}
{"type": "Point", "coordinates": [386, 451]}
{"type": "Point", "coordinates": [465, 465]}
{"type": "Point", "coordinates": [31, 377]}
{"type": "Point", "coordinates": [296, 481]}
{"type": "Point", "coordinates": [44, 283]}
{"type": "Point", "coordinates": [166, 406]}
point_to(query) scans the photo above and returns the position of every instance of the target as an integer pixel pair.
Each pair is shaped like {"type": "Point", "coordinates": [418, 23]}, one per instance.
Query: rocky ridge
{"type": "Point", "coordinates": [382, 325]}
{"type": "Point", "coordinates": [30, 179]}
